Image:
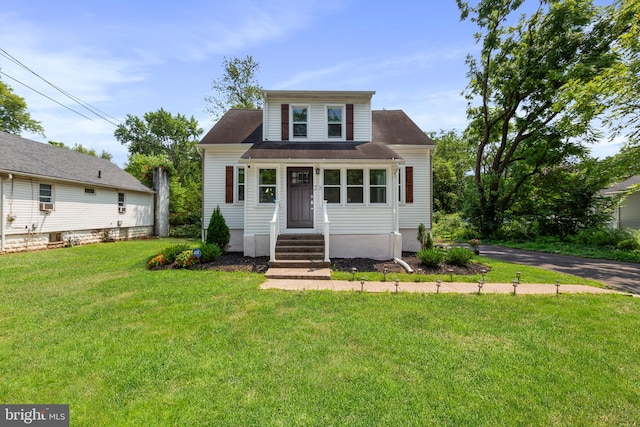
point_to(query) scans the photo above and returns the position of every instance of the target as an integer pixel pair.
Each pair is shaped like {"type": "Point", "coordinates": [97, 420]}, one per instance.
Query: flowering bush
{"type": "Point", "coordinates": [185, 259]}
{"type": "Point", "coordinates": [156, 261]}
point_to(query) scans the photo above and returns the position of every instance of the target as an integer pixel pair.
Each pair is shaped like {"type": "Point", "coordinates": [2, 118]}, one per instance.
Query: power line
{"type": "Point", "coordinates": [46, 96]}
{"type": "Point", "coordinates": [77, 100]}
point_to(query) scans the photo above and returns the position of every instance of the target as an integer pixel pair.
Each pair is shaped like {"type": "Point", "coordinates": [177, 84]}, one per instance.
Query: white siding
{"type": "Point", "coordinates": [73, 208]}
{"type": "Point", "coordinates": [413, 214]}
{"type": "Point", "coordinates": [259, 214]}
{"type": "Point", "coordinates": [362, 122]}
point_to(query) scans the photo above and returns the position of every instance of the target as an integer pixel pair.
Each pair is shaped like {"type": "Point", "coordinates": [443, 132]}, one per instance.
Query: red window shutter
{"type": "Point", "coordinates": [349, 122]}
{"type": "Point", "coordinates": [228, 186]}
{"type": "Point", "coordinates": [284, 112]}
{"type": "Point", "coordinates": [408, 184]}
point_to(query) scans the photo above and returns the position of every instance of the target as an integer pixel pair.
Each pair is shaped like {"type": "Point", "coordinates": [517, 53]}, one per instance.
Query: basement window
{"type": "Point", "coordinates": [89, 191]}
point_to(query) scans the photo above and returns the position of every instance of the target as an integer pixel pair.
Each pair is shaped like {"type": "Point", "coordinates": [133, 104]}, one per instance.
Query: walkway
{"type": "Point", "coordinates": [622, 276]}
{"type": "Point", "coordinates": [427, 287]}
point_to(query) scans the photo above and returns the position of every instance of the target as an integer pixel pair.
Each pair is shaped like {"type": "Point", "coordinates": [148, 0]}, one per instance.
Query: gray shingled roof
{"type": "Point", "coordinates": [389, 127]}
{"type": "Point", "coordinates": [23, 156]}
{"type": "Point", "coordinates": [622, 185]}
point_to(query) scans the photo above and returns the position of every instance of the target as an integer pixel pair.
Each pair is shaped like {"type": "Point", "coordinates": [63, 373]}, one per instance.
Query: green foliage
{"type": "Point", "coordinates": [170, 253]}
{"type": "Point", "coordinates": [452, 227]}
{"type": "Point", "coordinates": [156, 261]}
{"type": "Point", "coordinates": [460, 257]}
{"type": "Point", "coordinates": [187, 231]}
{"type": "Point", "coordinates": [14, 117]}
{"type": "Point", "coordinates": [210, 252]}
{"type": "Point", "coordinates": [237, 87]}
{"type": "Point", "coordinates": [84, 150]}
{"type": "Point", "coordinates": [628, 245]}
{"type": "Point", "coordinates": [218, 231]}
{"type": "Point", "coordinates": [432, 258]}
{"type": "Point", "coordinates": [529, 116]}
{"type": "Point", "coordinates": [185, 259]}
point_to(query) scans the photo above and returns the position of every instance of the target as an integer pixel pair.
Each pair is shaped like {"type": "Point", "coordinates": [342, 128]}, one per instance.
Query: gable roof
{"type": "Point", "coordinates": [24, 156]}
{"type": "Point", "coordinates": [622, 185]}
{"type": "Point", "coordinates": [286, 150]}
{"type": "Point", "coordinates": [389, 127]}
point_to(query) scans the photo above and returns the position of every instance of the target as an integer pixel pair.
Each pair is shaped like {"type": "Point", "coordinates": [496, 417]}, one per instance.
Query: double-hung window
{"type": "Point", "coordinates": [377, 186]}
{"type": "Point", "coordinates": [299, 116]}
{"type": "Point", "coordinates": [267, 185]}
{"type": "Point", "coordinates": [46, 193]}
{"type": "Point", "coordinates": [335, 121]}
{"type": "Point", "coordinates": [355, 186]}
{"type": "Point", "coordinates": [332, 185]}
{"type": "Point", "coordinates": [122, 207]}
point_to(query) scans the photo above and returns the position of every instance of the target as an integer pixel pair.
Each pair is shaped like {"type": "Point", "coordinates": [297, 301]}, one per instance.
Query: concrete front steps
{"type": "Point", "coordinates": [299, 256]}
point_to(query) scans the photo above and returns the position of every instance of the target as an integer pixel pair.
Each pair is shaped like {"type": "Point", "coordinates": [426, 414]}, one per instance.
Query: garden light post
{"type": "Point", "coordinates": [518, 276]}
{"type": "Point", "coordinates": [419, 279]}
{"type": "Point", "coordinates": [353, 273]}
{"type": "Point", "coordinates": [438, 284]}
{"type": "Point", "coordinates": [483, 272]}
{"type": "Point", "coordinates": [515, 285]}
{"type": "Point", "coordinates": [397, 284]}
{"type": "Point", "coordinates": [361, 284]}
{"type": "Point", "coordinates": [451, 274]}
{"type": "Point", "coordinates": [385, 274]}
{"type": "Point", "coordinates": [480, 284]}
{"type": "Point", "coordinates": [557, 287]}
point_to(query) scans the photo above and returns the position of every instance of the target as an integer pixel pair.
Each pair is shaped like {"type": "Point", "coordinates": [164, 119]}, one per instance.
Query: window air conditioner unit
{"type": "Point", "coordinates": [122, 209]}
{"type": "Point", "coordinates": [47, 207]}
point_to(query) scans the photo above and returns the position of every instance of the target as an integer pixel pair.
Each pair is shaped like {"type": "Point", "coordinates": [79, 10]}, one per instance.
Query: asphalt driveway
{"type": "Point", "coordinates": [622, 276]}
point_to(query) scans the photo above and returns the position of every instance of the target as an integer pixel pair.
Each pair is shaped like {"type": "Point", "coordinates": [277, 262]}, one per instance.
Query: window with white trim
{"type": "Point", "coordinates": [377, 186]}
{"type": "Point", "coordinates": [332, 186]}
{"type": "Point", "coordinates": [335, 121]}
{"type": "Point", "coordinates": [46, 193]}
{"type": "Point", "coordinates": [122, 207]}
{"type": "Point", "coordinates": [355, 186]}
{"type": "Point", "coordinates": [267, 185]}
{"type": "Point", "coordinates": [299, 121]}
{"type": "Point", "coordinates": [240, 184]}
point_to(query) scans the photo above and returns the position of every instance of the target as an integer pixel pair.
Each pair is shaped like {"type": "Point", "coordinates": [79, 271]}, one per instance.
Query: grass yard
{"type": "Point", "coordinates": [91, 327]}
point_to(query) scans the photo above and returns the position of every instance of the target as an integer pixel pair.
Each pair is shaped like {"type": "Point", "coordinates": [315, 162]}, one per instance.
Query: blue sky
{"type": "Point", "coordinates": [133, 57]}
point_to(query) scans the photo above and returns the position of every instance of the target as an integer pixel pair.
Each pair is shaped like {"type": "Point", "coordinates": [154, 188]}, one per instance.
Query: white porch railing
{"type": "Point", "coordinates": [325, 230]}
{"type": "Point", "coordinates": [273, 232]}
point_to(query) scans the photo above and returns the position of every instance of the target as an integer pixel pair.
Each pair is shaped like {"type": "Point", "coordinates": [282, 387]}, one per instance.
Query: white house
{"type": "Point", "coordinates": [320, 164]}
{"type": "Point", "coordinates": [51, 196]}
{"type": "Point", "coordinates": [627, 213]}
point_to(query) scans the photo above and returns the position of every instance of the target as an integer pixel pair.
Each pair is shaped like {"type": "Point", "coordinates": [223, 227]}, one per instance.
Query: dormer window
{"type": "Point", "coordinates": [334, 121]}
{"type": "Point", "coordinates": [299, 118]}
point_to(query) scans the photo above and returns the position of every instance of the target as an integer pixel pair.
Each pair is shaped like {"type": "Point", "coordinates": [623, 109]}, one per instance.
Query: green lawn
{"type": "Point", "coordinates": [92, 328]}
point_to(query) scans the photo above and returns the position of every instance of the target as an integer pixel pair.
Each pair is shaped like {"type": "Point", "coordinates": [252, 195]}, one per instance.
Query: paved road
{"type": "Point", "coordinates": [622, 276]}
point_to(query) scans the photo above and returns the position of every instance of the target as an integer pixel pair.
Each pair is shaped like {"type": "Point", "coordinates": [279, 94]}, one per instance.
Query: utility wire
{"type": "Point", "coordinates": [77, 100]}
{"type": "Point", "coordinates": [48, 97]}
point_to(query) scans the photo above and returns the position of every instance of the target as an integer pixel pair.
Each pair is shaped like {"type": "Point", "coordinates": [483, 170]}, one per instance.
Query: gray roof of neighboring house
{"type": "Point", "coordinates": [622, 185]}
{"type": "Point", "coordinates": [389, 127]}
{"type": "Point", "coordinates": [23, 156]}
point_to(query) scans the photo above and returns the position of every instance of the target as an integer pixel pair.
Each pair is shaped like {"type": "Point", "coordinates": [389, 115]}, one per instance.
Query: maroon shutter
{"type": "Point", "coordinates": [349, 122]}
{"type": "Point", "coordinates": [284, 112]}
{"type": "Point", "coordinates": [408, 184]}
{"type": "Point", "coordinates": [228, 186]}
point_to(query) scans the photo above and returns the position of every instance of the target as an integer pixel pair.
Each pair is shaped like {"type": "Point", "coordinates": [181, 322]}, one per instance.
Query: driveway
{"type": "Point", "coordinates": [622, 276]}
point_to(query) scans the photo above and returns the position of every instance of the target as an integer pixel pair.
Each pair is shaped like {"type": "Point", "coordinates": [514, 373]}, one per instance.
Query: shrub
{"type": "Point", "coordinates": [218, 231]}
{"type": "Point", "coordinates": [172, 252]}
{"type": "Point", "coordinates": [628, 245]}
{"type": "Point", "coordinates": [185, 259]}
{"type": "Point", "coordinates": [186, 231]}
{"type": "Point", "coordinates": [156, 261]}
{"type": "Point", "coordinates": [210, 252]}
{"type": "Point", "coordinates": [602, 237]}
{"type": "Point", "coordinates": [458, 256]}
{"type": "Point", "coordinates": [430, 257]}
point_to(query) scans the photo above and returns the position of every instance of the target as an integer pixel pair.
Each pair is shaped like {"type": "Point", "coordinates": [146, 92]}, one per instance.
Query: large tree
{"type": "Point", "coordinates": [14, 117]}
{"type": "Point", "coordinates": [452, 163]}
{"type": "Point", "coordinates": [237, 87]}
{"type": "Point", "coordinates": [160, 137]}
{"type": "Point", "coordinates": [84, 150]}
{"type": "Point", "coordinates": [528, 115]}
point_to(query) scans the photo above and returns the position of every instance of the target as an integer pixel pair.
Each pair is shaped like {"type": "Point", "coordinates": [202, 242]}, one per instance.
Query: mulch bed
{"type": "Point", "coordinates": [235, 261]}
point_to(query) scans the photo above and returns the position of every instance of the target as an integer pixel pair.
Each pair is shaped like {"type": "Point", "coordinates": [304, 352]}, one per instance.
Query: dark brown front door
{"type": "Point", "coordinates": [299, 197]}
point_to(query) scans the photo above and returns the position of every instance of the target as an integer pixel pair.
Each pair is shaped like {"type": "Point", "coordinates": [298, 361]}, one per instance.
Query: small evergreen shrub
{"type": "Point", "coordinates": [460, 257]}
{"type": "Point", "coordinates": [185, 259]}
{"type": "Point", "coordinates": [430, 257]}
{"type": "Point", "coordinates": [172, 252]}
{"type": "Point", "coordinates": [218, 231]}
{"type": "Point", "coordinates": [210, 252]}
{"type": "Point", "coordinates": [628, 245]}
{"type": "Point", "coordinates": [186, 231]}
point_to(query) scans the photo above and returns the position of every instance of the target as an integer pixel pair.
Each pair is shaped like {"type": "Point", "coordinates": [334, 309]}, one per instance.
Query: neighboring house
{"type": "Point", "coordinates": [51, 196]}
{"type": "Point", "coordinates": [319, 163]}
{"type": "Point", "coordinates": [627, 214]}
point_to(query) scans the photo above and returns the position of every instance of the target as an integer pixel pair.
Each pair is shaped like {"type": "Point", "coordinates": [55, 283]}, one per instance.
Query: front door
{"type": "Point", "coordinates": [299, 197]}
